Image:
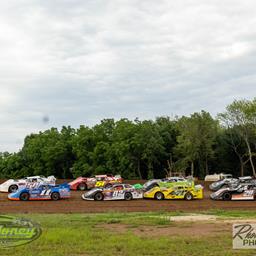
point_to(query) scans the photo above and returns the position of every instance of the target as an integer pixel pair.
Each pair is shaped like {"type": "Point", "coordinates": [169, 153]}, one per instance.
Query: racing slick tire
{"type": "Point", "coordinates": [98, 196]}
{"type": "Point", "coordinates": [24, 196]}
{"type": "Point", "coordinates": [188, 196]}
{"type": "Point", "coordinates": [128, 196]}
{"type": "Point", "coordinates": [159, 196]}
{"type": "Point", "coordinates": [55, 196]}
{"type": "Point", "coordinates": [82, 186]}
{"type": "Point", "coordinates": [226, 196]}
{"type": "Point", "coordinates": [12, 188]}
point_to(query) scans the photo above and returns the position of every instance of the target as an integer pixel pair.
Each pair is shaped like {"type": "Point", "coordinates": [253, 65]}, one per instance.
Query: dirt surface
{"type": "Point", "coordinates": [190, 229]}
{"type": "Point", "coordinates": [76, 205]}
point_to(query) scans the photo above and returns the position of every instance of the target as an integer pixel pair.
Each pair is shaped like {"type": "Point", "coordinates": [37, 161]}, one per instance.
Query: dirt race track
{"type": "Point", "coordinates": [76, 205]}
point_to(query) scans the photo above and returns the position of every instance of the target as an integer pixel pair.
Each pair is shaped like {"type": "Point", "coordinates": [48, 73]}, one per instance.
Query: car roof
{"type": "Point", "coordinates": [245, 178]}
{"type": "Point", "coordinates": [33, 177]}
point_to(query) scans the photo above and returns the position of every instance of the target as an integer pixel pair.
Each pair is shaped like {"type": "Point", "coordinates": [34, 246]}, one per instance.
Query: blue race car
{"type": "Point", "coordinates": [41, 192]}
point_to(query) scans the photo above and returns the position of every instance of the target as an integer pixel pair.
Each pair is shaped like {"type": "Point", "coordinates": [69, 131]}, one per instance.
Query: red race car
{"type": "Point", "coordinates": [82, 183]}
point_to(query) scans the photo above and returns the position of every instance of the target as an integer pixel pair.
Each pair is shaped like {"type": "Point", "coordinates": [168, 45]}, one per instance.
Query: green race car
{"type": "Point", "coordinates": [167, 183]}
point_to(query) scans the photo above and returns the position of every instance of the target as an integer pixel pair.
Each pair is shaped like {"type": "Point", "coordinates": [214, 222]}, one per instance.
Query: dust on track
{"type": "Point", "coordinates": [76, 205]}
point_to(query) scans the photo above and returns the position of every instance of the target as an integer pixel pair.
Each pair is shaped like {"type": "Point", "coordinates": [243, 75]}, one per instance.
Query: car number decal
{"type": "Point", "coordinates": [45, 192]}
{"type": "Point", "coordinates": [117, 193]}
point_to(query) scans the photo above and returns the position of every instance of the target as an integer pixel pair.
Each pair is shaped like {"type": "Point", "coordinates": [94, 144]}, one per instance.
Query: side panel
{"type": "Point", "coordinates": [246, 195]}
{"type": "Point", "coordinates": [113, 195]}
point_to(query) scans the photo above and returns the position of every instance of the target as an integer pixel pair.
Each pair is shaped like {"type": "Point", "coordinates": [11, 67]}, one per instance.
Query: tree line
{"type": "Point", "coordinates": [190, 145]}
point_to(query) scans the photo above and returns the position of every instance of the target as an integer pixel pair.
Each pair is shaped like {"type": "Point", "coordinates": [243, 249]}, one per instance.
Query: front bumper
{"type": "Point", "coordinates": [214, 197]}
{"type": "Point", "coordinates": [73, 186]}
{"type": "Point", "coordinates": [145, 195]}
{"type": "Point", "coordinates": [213, 188]}
{"type": "Point", "coordinates": [87, 197]}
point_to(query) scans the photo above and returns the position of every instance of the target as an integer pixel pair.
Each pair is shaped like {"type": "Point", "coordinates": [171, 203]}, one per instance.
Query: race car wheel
{"type": "Point", "coordinates": [55, 196]}
{"type": "Point", "coordinates": [128, 196]}
{"type": "Point", "coordinates": [188, 196]}
{"type": "Point", "coordinates": [82, 186]}
{"type": "Point", "coordinates": [98, 196]}
{"type": "Point", "coordinates": [24, 196]}
{"type": "Point", "coordinates": [226, 196]}
{"type": "Point", "coordinates": [159, 196]}
{"type": "Point", "coordinates": [12, 188]}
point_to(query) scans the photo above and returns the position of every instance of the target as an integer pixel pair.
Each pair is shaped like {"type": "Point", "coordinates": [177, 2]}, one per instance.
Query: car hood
{"type": "Point", "coordinates": [12, 181]}
{"type": "Point", "coordinates": [148, 183]}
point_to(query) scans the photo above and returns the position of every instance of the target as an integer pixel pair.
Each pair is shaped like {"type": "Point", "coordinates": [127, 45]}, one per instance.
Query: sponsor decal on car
{"type": "Point", "coordinates": [246, 195]}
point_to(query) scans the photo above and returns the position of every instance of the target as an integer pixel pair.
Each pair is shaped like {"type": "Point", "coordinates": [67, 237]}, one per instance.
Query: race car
{"type": "Point", "coordinates": [41, 192]}
{"type": "Point", "coordinates": [216, 177]}
{"type": "Point", "coordinates": [232, 182]}
{"type": "Point", "coordinates": [178, 191]}
{"type": "Point", "coordinates": [13, 185]}
{"type": "Point", "coordinates": [116, 192]}
{"type": "Point", "coordinates": [241, 192]}
{"type": "Point", "coordinates": [166, 182]}
{"type": "Point", "coordinates": [82, 183]}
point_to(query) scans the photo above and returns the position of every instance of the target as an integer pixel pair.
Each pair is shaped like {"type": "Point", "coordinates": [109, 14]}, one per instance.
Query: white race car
{"type": "Point", "coordinates": [114, 192]}
{"type": "Point", "coordinates": [13, 185]}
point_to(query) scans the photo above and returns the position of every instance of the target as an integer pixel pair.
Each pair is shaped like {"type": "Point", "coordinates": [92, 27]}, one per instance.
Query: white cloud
{"type": "Point", "coordinates": [80, 61]}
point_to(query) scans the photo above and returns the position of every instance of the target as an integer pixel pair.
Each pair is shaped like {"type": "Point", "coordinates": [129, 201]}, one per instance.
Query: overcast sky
{"type": "Point", "coordinates": [79, 61]}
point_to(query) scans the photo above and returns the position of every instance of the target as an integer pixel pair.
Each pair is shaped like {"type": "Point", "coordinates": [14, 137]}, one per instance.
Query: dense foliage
{"type": "Point", "coordinates": [197, 145]}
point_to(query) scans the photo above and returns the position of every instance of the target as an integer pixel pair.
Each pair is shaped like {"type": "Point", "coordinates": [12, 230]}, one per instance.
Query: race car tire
{"type": "Point", "coordinates": [226, 196]}
{"type": "Point", "coordinates": [24, 196]}
{"type": "Point", "coordinates": [12, 188]}
{"type": "Point", "coordinates": [159, 196]}
{"type": "Point", "coordinates": [128, 196]}
{"type": "Point", "coordinates": [82, 186]}
{"type": "Point", "coordinates": [98, 196]}
{"type": "Point", "coordinates": [188, 196]}
{"type": "Point", "coordinates": [55, 196]}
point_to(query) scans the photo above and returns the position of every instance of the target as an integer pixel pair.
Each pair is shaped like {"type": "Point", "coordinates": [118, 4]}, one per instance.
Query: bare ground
{"type": "Point", "coordinates": [192, 229]}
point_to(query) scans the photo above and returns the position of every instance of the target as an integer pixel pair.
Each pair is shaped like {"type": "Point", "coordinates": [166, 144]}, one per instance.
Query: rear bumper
{"type": "Point", "coordinates": [3, 188]}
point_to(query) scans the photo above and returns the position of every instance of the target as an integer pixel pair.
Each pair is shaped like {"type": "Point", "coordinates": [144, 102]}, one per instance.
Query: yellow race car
{"type": "Point", "coordinates": [187, 192]}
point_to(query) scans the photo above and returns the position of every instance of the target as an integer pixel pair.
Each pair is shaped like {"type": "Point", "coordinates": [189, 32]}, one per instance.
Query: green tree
{"type": "Point", "coordinates": [241, 115]}
{"type": "Point", "coordinates": [196, 140]}
{"type": "Point", "coordinates": [147, 146]}
{"type": "Point", "coordinates": [83, 144]}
